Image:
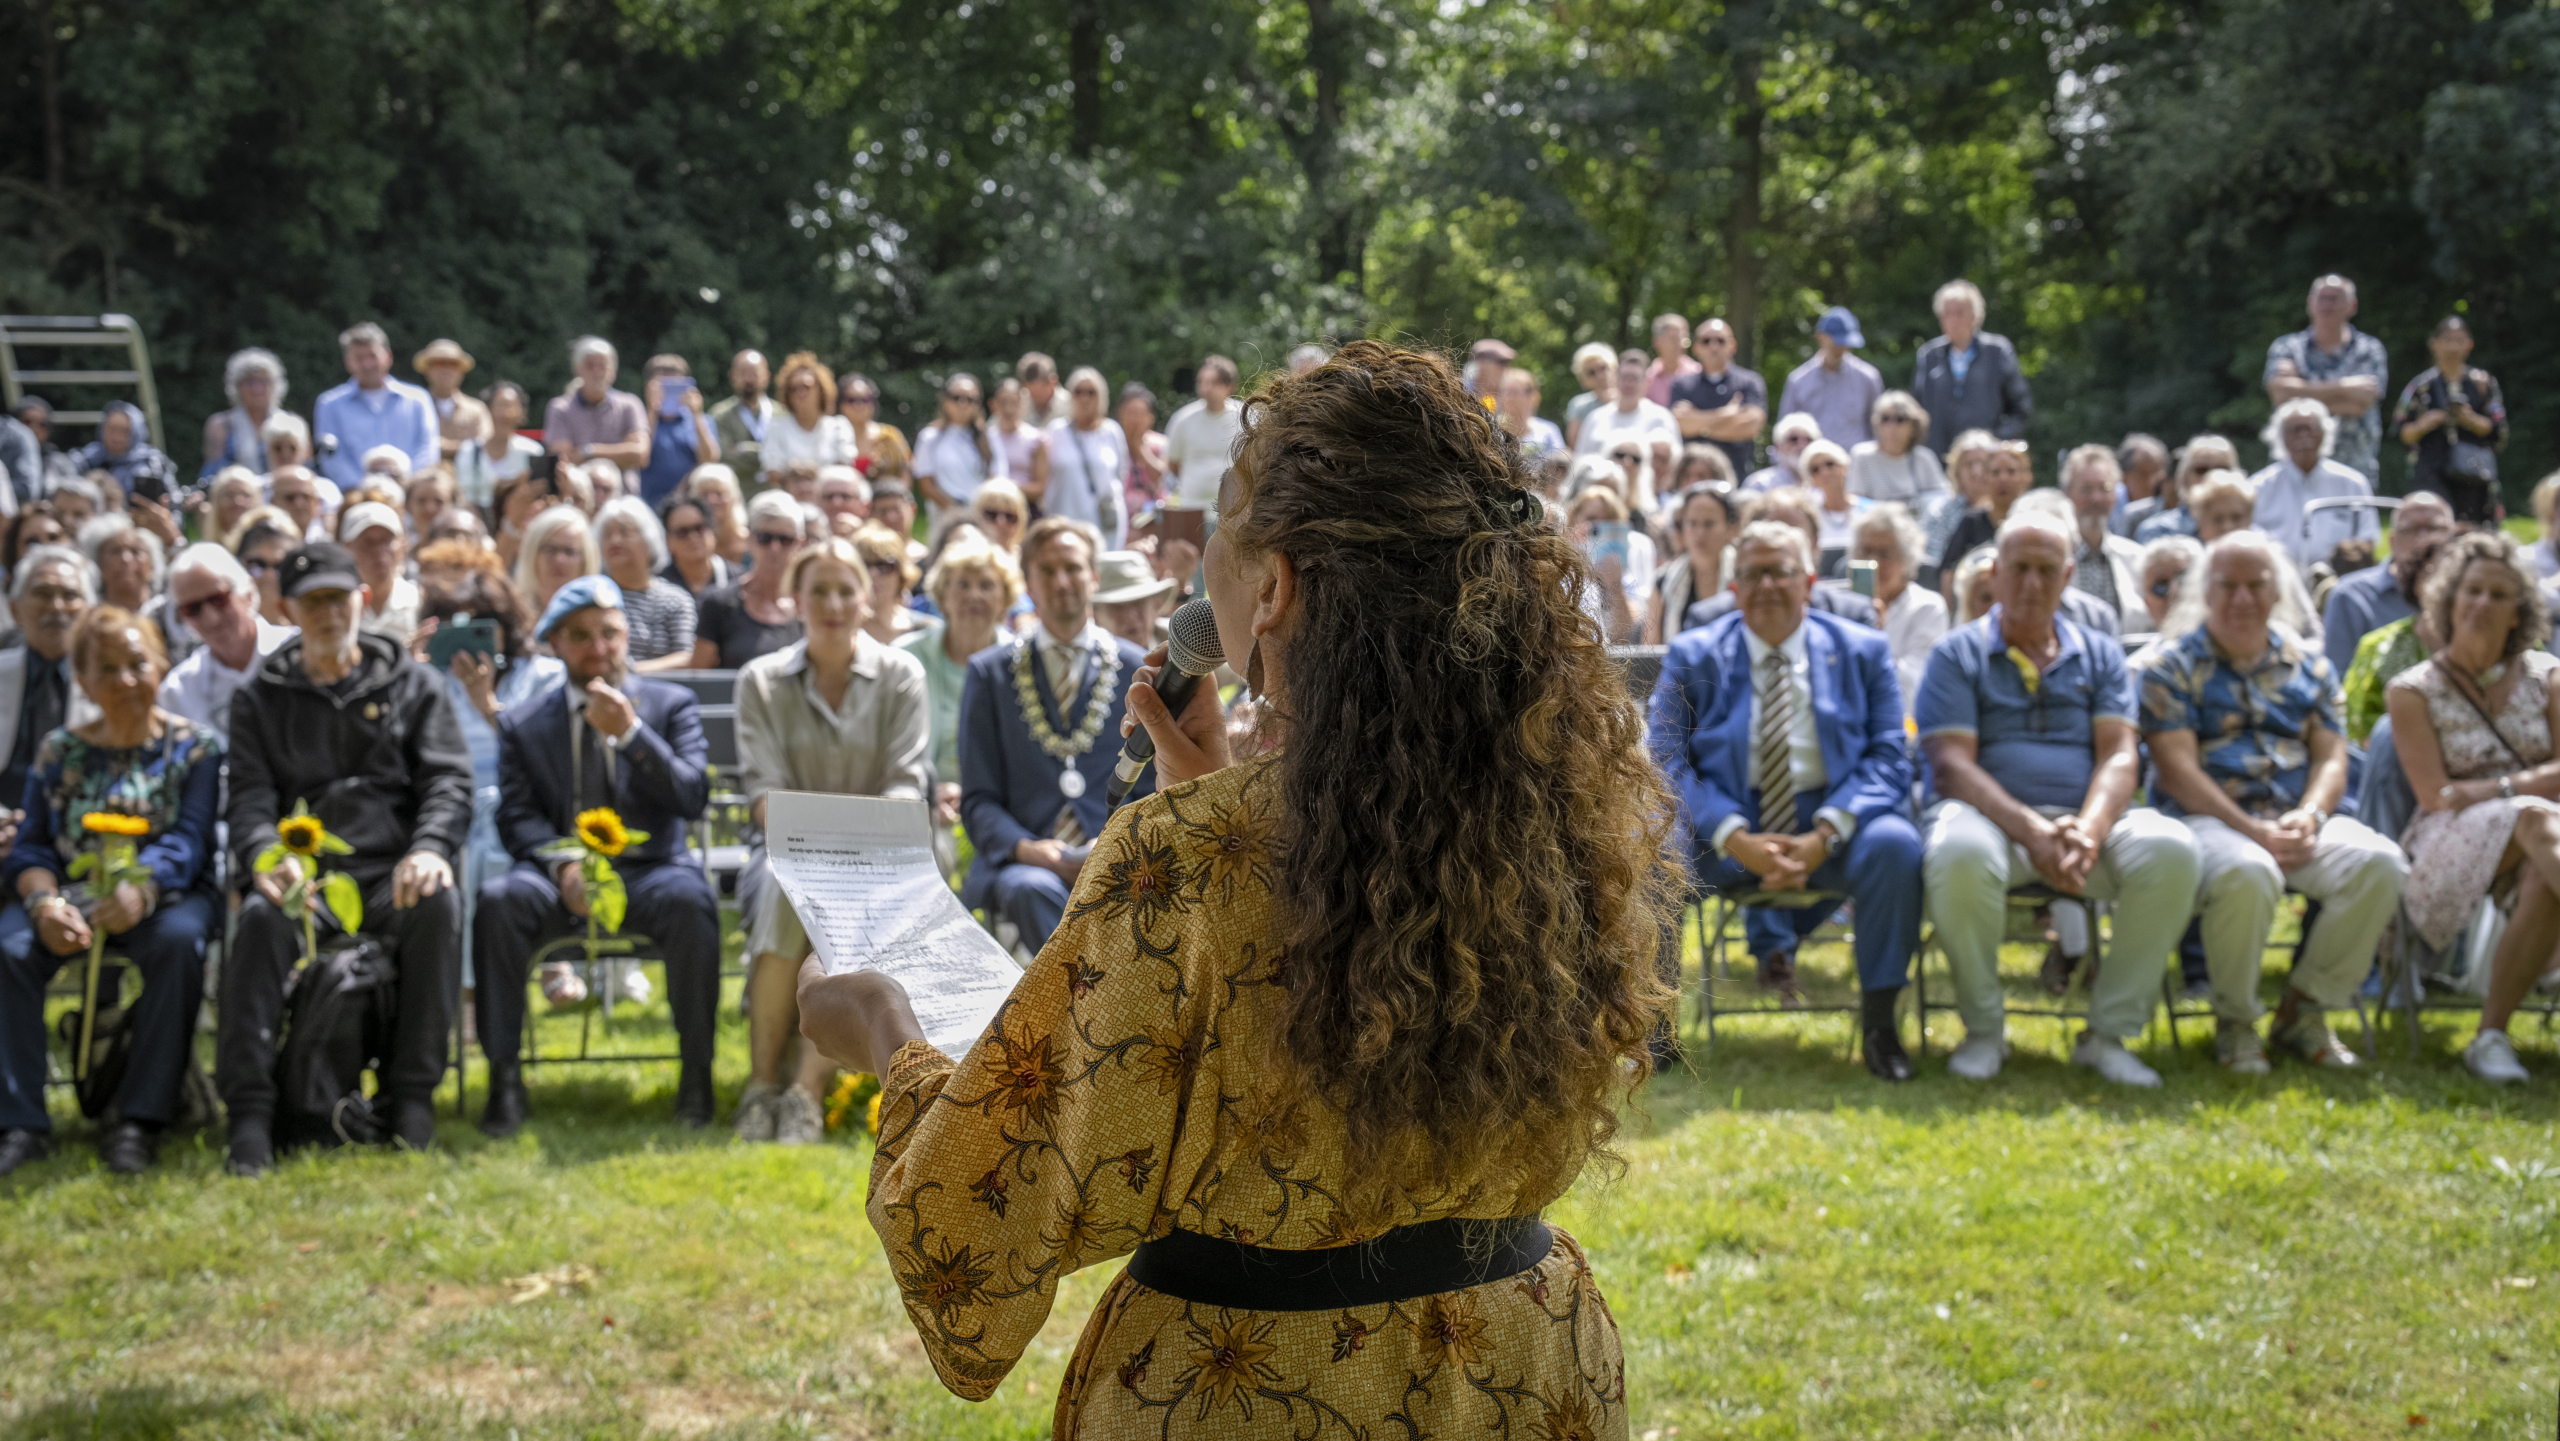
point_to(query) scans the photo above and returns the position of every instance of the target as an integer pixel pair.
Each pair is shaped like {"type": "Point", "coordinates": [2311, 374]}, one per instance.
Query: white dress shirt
{"type": "Point", "coordinates": [1062, 662]}
{"type": "Point", "coordinates": [201, 686]}
{"type": "Point", "coordinates": [2283, 489]}
{"type": "Point", "coordinates": [1913, 624]}
{"type": "Point", "coordinates": [1804, 740]}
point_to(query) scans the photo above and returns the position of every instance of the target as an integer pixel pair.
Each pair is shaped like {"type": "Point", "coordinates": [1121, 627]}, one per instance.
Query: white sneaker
{"type": "Point", "coordinates": [2492, 1057]}
{"type": "Point", "coordinates": [1979, 1058]}
{"type": "Point", "coordinates": [2107, 1056]}
{"type": "Point", "coordinates": [797, 1119]}
{"type": "Point", "coordinates": [756, 1111]}
{"type": "Point", "coordinates": [561, 985]}
{"type": "Point", "coordinates": [629, 983]}
{"type": "Point", "coordinates": [2237, 1047]}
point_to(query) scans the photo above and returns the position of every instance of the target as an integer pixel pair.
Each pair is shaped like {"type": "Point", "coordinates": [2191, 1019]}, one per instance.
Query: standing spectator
{"type": "Point", "coordinates": [657, 613]}
{"type": "Point", "coordinates": [1487, 359]}
{"type": "Point", "coordinates": [1897, 464]}
{"type": "Point", "coordinates": [49, 590]}
{"type": "Point", "coordinates": [124, 451]}
{"type": "Point", "coordinates": [253, 380]}
{"type": "Point", "coordinates": [1200, 439]}
{"type": "Point", "coordinates": [874, 439]}
{"type": "Point", "coordinates": [479, 465]}
{"type": "Point", "coordinates": [375, 535]}
{"type": "Point", "coordinates": [213, 594]}
{"type": "Point", "coordinates": [2343, 368]}
{"type": "Point", "coordinates": [1671, 360]}
{"type": "Point", "coordinates": [753, 615]}
{"type": "Point", "coordinates": [692, 562]}
{"type": "Point", "coordinates": [2027, 721]}
{"type": "Point", "coordinates": [1787, 444]}
{"type": "Point", "coordinates": [460, 420]}
{"type": "Point", "coordinates": [347, 724]}
{"type": "Point", "coordinates": [1025, 441]}
{"type": "Point", "coordinates": [1087, 456]}
{"type": "Point", "coordinates": [684, 435]}
{"type": "Point", "coordinates": [1596, 366]}
{"type": "Point", "coordinates": [1968, 378]}
{"type": "Point", "coordinates": [21, 465]}
{"type": "Point", "coordinates": [1633, 418]}
{"type": "Point", "coordinates": [371, 409]}
{"type": "Point", "coordinates": [1914, 616]}
{"type": "Point", "coordinates": [1046, 404]}
{"type": "Point", "coordinates": [2104, 565]}
{"type": "Point", "coordinates": [2301, 435]}
{"type": "Point", "coordinates": [2454, 421]}
{"type": "Point", "coordinates": [1142, 474]}
{"type": "Point", "coordinates": [1835, 387]}
{"type": "Point", "coordinates": [1703, 522]}
{"type": "Point", "coordinates": [956, 453]}
{"type": "Point", "coordinates": [1720, 402]}
{"type": "Point", "coordinates": [845, 498]}
{"type": "Point", "coordinates": [2243, 726]}
{"type": "Point", "coordinates": [592, 420]}
{"type": "Point", "coordinates": [2145, 463]}
{"type": "Point", "coordinates": [738, 422]}
{"type": "Point", "coordinates": [1519, 415]}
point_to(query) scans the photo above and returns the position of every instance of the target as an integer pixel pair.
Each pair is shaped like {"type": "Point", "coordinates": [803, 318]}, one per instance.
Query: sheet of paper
{"type": "Point", "coordinates": [860, 872]}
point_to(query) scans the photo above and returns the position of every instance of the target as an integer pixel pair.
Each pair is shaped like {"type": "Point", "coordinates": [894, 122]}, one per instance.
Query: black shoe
{"type": "Point", "coordinates": [253, 1148]}
{"type": "Point", "coordinates": [2055, 974]}
{"type": "Point", "coordinates": [1883, 1035]}
{"type": "Point", "coordinates": [413, 1124]}
{"type": "Point", "coordinates": [19, 1145]}
{"type": "Point", "coordinates": [128, 1148]}
{"type": "Point", "coordinates": [694, 1107]}
{"type": "Point", "coordinates": [507, 1108]}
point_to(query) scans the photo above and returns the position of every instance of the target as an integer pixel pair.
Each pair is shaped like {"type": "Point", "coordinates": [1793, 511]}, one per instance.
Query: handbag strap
{"type": "Point", "coordinates": [2462, 687]}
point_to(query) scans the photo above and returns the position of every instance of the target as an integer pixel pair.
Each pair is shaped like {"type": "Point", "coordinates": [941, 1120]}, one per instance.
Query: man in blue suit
{"type": "Point", "coordinates": [1033, 769]}
{"type": "Point", "coordinates": [1780, 727]}
{"type": "Point", "coordinates": [607, 738]}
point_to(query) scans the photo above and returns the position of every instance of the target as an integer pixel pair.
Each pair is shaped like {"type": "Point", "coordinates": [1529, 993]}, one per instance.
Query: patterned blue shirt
{"type": "Point", "coordinates": [2252, 726]}
{"type": "Point", "coordinates": [2359, 436]}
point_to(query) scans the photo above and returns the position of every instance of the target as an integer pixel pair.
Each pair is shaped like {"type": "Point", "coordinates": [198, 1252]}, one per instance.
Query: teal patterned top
{"type": "Point", "coordinates": [175, 782]}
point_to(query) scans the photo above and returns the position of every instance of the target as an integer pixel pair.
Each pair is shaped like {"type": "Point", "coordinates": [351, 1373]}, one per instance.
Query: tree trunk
{"type": "Point", "coordinates": [1742, 222]}
{"type": "Point", "coordinates": [1339, 241]}
{"type": "Point", "coordinates": [1084, 67]}
{"type": "Point", "coordinates": [49, 88]}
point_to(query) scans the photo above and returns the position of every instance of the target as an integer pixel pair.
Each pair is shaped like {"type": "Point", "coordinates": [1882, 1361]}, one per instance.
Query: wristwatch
{"type": "Point", "coordinates": [1831, 845]}
{"type": "Point", "coordinates": [2506, 788]}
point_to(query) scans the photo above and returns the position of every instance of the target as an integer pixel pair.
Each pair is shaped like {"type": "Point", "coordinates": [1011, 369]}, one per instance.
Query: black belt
{"type": "Point", "coordinates": [1408, 1261]}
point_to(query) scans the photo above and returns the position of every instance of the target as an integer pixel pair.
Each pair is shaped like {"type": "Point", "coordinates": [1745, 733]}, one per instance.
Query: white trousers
{"type": "Point", "coordinates": [2354, 873]}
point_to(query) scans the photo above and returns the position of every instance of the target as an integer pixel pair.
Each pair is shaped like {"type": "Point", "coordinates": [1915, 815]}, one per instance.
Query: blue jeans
{"type": "Point", "coordinates": [167, 947]}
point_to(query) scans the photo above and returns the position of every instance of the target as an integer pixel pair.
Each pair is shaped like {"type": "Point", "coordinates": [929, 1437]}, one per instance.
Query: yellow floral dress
{"type": "Point", "coordinates": [1113, 1099]}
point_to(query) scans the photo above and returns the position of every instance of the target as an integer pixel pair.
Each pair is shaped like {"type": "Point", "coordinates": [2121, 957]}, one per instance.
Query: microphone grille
{"type": "Point", "coordinates": [1193, 646]}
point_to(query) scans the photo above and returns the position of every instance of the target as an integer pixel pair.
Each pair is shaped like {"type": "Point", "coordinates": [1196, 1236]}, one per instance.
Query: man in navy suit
{"type": "Point", "coordinates": [1032, 774]}
{"type": "Point", "coordinates": [607, 738]}
{"type": "Point", "coordinates": [1780, 727]}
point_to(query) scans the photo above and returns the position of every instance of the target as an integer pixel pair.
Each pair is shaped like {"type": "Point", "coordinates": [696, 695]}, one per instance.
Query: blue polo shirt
{"type": "Point", "coordinates": [2038, 744]}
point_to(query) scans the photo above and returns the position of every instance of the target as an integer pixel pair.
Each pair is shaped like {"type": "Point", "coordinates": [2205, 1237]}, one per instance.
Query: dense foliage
{"type": "Point", "coordinates": [2143, 187]}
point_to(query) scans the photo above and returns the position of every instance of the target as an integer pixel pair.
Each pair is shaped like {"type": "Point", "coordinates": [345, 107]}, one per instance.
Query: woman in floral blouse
{"type": "Point", "coordinates": [1326, 1027]}
{"type": "Point", "coordinates": [147, 775]}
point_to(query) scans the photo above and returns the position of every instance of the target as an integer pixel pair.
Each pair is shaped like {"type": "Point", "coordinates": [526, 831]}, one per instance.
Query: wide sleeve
{"type": "Point", "coordinates": [1046, 1148]}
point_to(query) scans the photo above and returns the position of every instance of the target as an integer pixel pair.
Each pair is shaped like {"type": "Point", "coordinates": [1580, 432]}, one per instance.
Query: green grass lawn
{"type": "Point", "coordinates": [1792, 1250]}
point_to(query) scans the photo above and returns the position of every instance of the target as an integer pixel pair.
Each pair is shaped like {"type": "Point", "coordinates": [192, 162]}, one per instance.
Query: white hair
{"type": "Point", "coordinates": [237, 475]}
{"type": "Point", "coordinates": [2292, 609]}
{"type": "Point", "coordinates": [2037, 521]}
{"type": "Point", "coordinates": [1779, 534]}
{"type": "Point", "coordinates": [285, 422]}
{"type": "Point", "coordinates": [777, 505]}
{"type": "Point", "coordinates": [2273, 435]}
{"type": "Point", "coordinates": [1968, 571]}
{"type": "Point", "coordinates": [861, 487]}
{"type": "Point", "coordinates": [1087, 372]}
{"type": "Point", "coordinates": [2335, 279]}
{"type": "Point", "coordinates": [1591, 351]}
{"type": "Point", "coordinates": [1895, 519]}
{"type": "Point", "coordinates": [97, 531]}
{"type": "Point", "coordinates": [714, 473]}
{"type": "Point", "coordinates": [1796, 422]}
{"type": "Point", "coordinates": [1820, 448]}
{"type": "Point", "coordinates": [632, 511]}
{"type": "Point", "coordinates": [243, 362]}
{"type": "Point", "coordinates": [538, 532]}
{"type": "Point", "coordinates": [209, 557]}
{"type": "Point", "coordinates": [40, 556]}
{"type": "Point", "coordinates": [2046, 501]}
{"type": "Point", "coordinates": [392, 454]}
{"type": "Point", "coordinates": [363, 332]}
{"type": "Point", "coordinates": [586, 345]}
{"type": "Point", "coordinates": [1964, 290]}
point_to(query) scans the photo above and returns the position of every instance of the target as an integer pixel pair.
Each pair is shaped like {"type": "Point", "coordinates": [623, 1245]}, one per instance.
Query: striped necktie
{"type": "Point", "coordinates": [1773, 763]}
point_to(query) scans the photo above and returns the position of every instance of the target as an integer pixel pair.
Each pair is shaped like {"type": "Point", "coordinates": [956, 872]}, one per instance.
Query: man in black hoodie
{"type": "Point", "coordinates": [348, 723]}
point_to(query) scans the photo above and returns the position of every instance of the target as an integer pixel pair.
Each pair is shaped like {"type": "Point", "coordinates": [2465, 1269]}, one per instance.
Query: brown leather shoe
{"type": "Point", "coordinates": [1778, 973]}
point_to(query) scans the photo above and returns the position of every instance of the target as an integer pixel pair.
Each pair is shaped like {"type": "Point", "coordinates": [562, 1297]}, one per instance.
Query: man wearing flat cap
{"type": "Point", "coordinates": [608, 739]}
{"type": "Point", "coordinates": [459, 418]}
{"type": "Point", "coordinates": [348, 725]}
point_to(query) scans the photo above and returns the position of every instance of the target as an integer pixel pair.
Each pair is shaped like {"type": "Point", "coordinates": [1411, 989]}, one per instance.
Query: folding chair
{"type": "Point", "coordinates": [2027, 897]}
{"type": "Point", "coordinates": [1712, 945]}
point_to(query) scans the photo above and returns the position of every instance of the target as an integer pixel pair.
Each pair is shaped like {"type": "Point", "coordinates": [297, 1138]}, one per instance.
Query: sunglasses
{"type": "Point", "coordinates": [688, 532]}
{"type": "Point", "coordinates": [1893, 420]}
{"type": "Point", "coordinates": [1004, 517]}
{"type": "Point", "coordinates": [881, 567]}
{"type": "Point", "coordinates": [960, 399]}
{"type": "Point", "coordinates": [862, 400]}
{"type": "Point", "coordinates": [189, 611]}
{"type": "Point", "coordinates": [775, 538]}
{"type": "Point", "coordinates": [1626, 457]}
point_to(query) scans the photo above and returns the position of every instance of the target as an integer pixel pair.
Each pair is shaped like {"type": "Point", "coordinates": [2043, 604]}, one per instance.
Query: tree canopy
{"type": "Point", "coordinates": [2143, 188]}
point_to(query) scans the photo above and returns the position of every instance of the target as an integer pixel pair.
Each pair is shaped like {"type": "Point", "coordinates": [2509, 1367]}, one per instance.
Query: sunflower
{"type": "Point", "coordinates": [301, 835]}
{"type": "Point", "coordinates": [112, 824]}
{"type": "Point", "coordinates": [602, 831]}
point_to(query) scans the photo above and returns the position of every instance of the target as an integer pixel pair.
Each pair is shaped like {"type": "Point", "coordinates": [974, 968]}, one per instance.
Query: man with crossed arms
{"type": "Point", "coordinates": [2026, 725]}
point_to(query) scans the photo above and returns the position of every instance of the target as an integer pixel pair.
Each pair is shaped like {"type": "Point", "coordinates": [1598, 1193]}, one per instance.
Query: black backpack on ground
{"type": "Point", "coordinates": [338, 1021]}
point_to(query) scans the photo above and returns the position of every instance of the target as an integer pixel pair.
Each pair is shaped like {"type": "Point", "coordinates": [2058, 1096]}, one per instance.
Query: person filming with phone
{"type": "Point", "coordinates": [684, 436]}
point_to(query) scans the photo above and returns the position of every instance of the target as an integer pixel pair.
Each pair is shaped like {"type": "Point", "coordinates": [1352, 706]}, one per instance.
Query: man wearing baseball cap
{"type": "Point", "coordinates": [606, 739]}
{"type": "Point", "coordinates": [459, 418]}
{"type": "Point", "coordinates": [348, 725]}
{"type": "Point", "coordinates": [378, 538]}
{"type": "Point", "coordinates": [1835, 387]}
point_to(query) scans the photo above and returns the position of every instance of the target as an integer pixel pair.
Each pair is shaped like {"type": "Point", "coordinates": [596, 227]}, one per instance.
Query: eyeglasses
{"type": "Point", "coordinates": [1715, 340]}
{"type": "Point", "coordinates": [775, 538]}
{"type": "Point", "coordinates": [862, 400]}
{"type": "Point", "coordinates": [1780, 576]}
{"type": "Point", "coordinates": [881, 567]}
{"type": "Point", "coordinates": [1001, 517]}
{"type": "Point", "coordinates": [688, 532]}
{"type": "Point", "coordinates": [1626, 457]}
{"type": "Point", "coordinates": [1893, 420]}
{"type": "Point", "coordinates": [190, 610]}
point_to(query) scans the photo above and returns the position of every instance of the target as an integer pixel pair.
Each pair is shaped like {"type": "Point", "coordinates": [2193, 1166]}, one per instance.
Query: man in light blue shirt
{"type": "Point", "coordinates": [371, 409]}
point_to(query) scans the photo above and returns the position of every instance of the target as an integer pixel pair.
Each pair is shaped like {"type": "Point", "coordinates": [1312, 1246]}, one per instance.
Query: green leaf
{"type": "Point", "coordinates": [82, 864]}
{"type": "Point", "coordinates": [296, 897]}
{"type": "Point", "coordinates": [607, 899]}
{"type": "Point", "coordinates": [635, 837]}
{"type": "Point", "coordinates": [330, 845]}
{"type": "Point", "coordinates": [272, 857]}
{"type": "Point", "coordinates": [346, 902]}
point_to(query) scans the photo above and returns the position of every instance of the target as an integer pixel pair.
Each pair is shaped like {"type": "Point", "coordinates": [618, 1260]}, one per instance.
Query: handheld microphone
{"type": "Point", "coordinates": [1192, 650]}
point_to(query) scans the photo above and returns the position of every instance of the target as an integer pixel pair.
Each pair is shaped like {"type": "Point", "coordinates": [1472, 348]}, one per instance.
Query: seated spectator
{"type": "Point", "coordinates": [891, 576]}
{"type": "Point", "coordinates": [2243, 725]}
{"type": "Point", "coordinates": [716, 486]}
{"type": "Point", "coordinates": [1699, 464]}
{"type": "Point", "coordinates": [348, 725]}
{"type": "Point", "coordinates": [1611, 599]}
{"type": "Point", "coordinates": [2544, 552]}
{"type": "Point", "coordinates": [1826, 474]}
{"type": "Point", "coordinates": [124, 450]}
{"type": "Point", "coordinates": [128, 559]}
{"type": "Point", "coordinates": [1780, 730]}
{"type": "Point", "coordinates": [837, 712]}
{"type": "Point", "coordinates": [265, 537]}
{"type": "Point", "coordinates": [2473, 726]}
{"type": "Point", "coordinates": [2172, 575]}
{"type": "Point", "coordinates": [458, 585]}
{"type": "Point", "coordinates": [82, 498]}
{"type": "Point", "coordinates": [2366, 601]}
{"type": "Point", "coordinates": [2105, 566]}
{"type": "Point", "coordinates": [893, 509]}
{"type": "Point", "coordinates": [2168, 512]}
{"type": "Point", "coordinates": [1914, 617]}
{"type": "Point", "coordinates": [1622, 468]}
{"type": "Point", "coordinates": [845, 497]}
{"type": "Point", "coordinates": [430, 493]}
{"type": "Point", "coordinates": [973, 587]}
{"type": "Point", "coordinates": [21, 463]}
{"type": "Point", "coordinates": [2004, 476]}
{"type": "Point", "coordinates": [754, 615]}
{"type": "Point", "coordinates": [1796, 507]}
{"type": "Point", "coordinates": [2030, 774]}
{"type": "Point", "coordinates": [2145, 463]}
{"type": "Point", "coordinates": [460, 522]}
{"type": "Point", "coordinates": [287, 438]}
{"type": "Point", "coordinates": [1033, 760]}
{"type": "Point", "coordinates": [211, 592]}
{"type": "Point", "coordinates": [2222, 502]}
{"type": "Point", "coordinates": [32, 526]}
{"type": "Point", "coordinates": [591, 420]}
{"type": "Point", "coordinates": [379, 540]}
{"type": "Point", "coordinates": [1703, 522]}
{"type": "Point", "coordinates": [2383, 653]}
{"type": "Point", "coordinates": [296, 491]}
{"type": "Point", "coordinates": [130, 760]}
{"type": "Point", "coordinates": [52, 587]}
{"type": "Point", "coordinates": [2301, 435]}
{"type": "Point", "coordinates": [1972, 581]}
{"type": "Point", "coordinates": [657, 613]}
{"type": "Point", "coordinates": [1898, 464]}
{"type": "Point", "coordinates": [557, 549]}
{"type": "Point", "coordinates": [1787, 444]}
{"type": "Point", "coordinates": [692, 563]}
{"type": "Point", "coordinates": [1129, 598]}
{"type": "Point", "coordinates": [612, 739]}
{"type": "Point", "coordinates": [682, 436]}
{"type": "Point", "coordinates": [2346, 559]}
{"type": "Point", "coordinates": [236, 491]}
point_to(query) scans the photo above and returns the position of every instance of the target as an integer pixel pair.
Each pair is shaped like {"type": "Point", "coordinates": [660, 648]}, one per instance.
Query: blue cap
{"type": "Point", "coordinates": [1841, 326]}
{"type": "Point", "coordinates": [587, 590]}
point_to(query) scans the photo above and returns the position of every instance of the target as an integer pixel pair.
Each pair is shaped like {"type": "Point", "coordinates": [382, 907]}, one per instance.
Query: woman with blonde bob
{"type": "Point", "coordinates": [558, 548]}
{"type": "Point", "coordinates": [2473, 725]}
{"type": "Point", "coordinates": [1403, 948]}
{"type": "Point", "coordinates": [974, 585]}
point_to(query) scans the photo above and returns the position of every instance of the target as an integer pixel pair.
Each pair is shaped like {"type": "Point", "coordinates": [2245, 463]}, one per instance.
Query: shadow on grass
{"type": "Point", "coordinates": [130, 1413]}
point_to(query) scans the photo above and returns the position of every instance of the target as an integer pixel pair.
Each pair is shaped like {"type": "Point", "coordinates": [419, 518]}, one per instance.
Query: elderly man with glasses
{"type": "Point", "coordinates": [214, 595]}
{"type": "Point", "coordinates": [1780, 729]}
{"type": "Point", "coordinates": [2026, 723]}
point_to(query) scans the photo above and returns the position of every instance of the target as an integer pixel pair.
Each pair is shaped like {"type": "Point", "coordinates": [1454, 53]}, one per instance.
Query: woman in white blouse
{"type": "Point", "coordinates": [806, 426]}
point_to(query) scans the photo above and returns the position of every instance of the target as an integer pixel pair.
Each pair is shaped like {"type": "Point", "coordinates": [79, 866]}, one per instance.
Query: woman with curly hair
{"type": "Point", "coordinates": [1329, 1022]}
